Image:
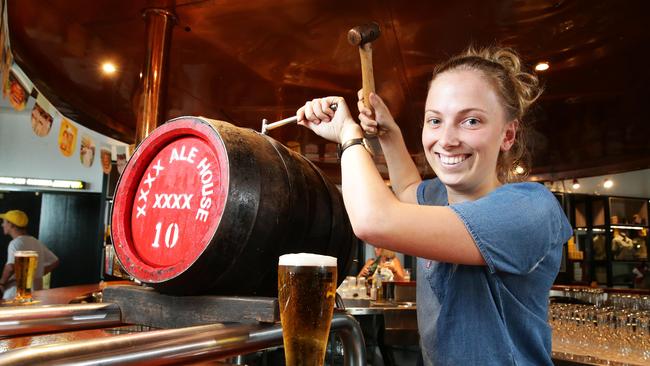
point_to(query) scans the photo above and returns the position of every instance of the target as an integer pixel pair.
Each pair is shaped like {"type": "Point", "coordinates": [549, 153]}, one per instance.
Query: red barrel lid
{"type": "Point", "coordinates": [170, 200]}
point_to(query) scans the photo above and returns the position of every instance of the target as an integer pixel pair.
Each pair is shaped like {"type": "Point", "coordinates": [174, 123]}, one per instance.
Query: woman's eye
{"type": "Point", "coordinates": [433, 122]}
{"type": "Point", "coordinates": [471, 122]}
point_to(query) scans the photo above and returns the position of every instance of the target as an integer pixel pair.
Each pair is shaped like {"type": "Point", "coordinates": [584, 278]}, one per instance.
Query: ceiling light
{"type": "Point", "coordinates": [542, 66]}
{"type": "Point", "coordinates": [608, 183]}
{"type": "Point", "coordinates": [37, 182]}
{"type": "Point", "coordinates": [627, 227]}
{"type": "Point", "coordinates": [108, 68]}
{"type": "Point", "coordinates": [519, 169]}
{"type": "Point", "coordinates": [576, 184]}
{"type": "Point", "coordinates": [11, 180]}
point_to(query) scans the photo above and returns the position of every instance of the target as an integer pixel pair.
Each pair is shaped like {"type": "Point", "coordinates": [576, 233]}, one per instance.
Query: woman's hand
{"type": "Point", "coordinates": [383, 121]}
{"type": "Point", "coordinates": [363, 273]}
{"type": "Point", "coordinates": [388, 265]}
{"type": "Point", "coordinates": [336, 126]}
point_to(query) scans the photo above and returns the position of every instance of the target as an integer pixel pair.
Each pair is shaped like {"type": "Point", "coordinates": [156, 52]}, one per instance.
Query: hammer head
{"type": "Point", "coordinates": [362, 34]}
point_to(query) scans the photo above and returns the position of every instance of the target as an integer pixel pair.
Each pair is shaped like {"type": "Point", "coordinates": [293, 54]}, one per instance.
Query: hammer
{"type": "Point", "coordinates": [362, 36]}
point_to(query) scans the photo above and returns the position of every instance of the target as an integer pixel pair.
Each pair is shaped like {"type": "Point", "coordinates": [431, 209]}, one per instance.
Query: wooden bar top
{"type": "Point", "coordinates": [58, 296]}
{"type": "Point", "coordinates": [72, 294]}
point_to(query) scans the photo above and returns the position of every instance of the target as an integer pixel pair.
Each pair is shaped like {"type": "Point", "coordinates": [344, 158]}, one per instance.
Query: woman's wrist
{"type": "Point", "coordinates": [389, 136]}
{"type": "Point", "coordinates": [350, 131]}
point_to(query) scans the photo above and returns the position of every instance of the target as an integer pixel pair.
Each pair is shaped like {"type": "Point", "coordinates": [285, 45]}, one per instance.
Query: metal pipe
{"type": "Point", "coordinates": [149, 102]}
{"type": "Point", "coordinates": [22, 320]}
{"type": "Point", "coordinates": [219, 343]}
{"type": "Point", "coordinates": [97, 348]}
{"type": "Point", "coordinates": [266, 126]}
{"type": "Point", "coordinates": [195, 343]}
{"type": "Point", "coordinates": [354, 345]}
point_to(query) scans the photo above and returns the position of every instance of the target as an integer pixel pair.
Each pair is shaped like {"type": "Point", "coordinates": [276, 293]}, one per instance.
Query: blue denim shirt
{"type": "Point", "coordinates": [494, 314]}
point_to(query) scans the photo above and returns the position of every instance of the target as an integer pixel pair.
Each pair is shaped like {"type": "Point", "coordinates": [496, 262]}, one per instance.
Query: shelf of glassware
{"type": "Point", "coordinates": [594, 326]}
{"type": "Point", "coordinates": [610, 238]}
{"type": "Point", "coordinates": [577, 251]}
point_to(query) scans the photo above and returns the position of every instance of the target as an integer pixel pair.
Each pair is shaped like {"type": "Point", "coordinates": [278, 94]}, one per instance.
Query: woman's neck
{"type": "Point", "coordinates": [472, 193]}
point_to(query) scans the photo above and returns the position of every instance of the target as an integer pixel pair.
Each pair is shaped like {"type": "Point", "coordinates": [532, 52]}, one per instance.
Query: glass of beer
{"type": "Point", "coordinates": [306, 293]}
{"type": "Point", "coordinates": [25, 262]}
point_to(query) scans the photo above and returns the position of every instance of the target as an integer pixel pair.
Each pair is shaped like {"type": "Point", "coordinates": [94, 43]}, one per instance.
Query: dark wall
{"type": "Point", "coordinates": [28, 202]}
{"type": "Point", "coordinates": [72, 227]}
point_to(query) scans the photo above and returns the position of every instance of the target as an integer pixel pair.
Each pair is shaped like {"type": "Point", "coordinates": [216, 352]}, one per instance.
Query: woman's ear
{"type": "Point", "coordinates": [509, 135]}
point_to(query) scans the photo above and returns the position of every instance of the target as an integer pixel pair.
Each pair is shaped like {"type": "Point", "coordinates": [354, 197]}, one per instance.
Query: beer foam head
{"type": "Point", "coordinates": [307, 259]}
{"type": "Point", "coordinates": [26, 253]}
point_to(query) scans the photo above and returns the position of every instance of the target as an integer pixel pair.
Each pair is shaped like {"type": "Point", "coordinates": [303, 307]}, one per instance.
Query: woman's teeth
{"type": "Point", "coordinates": [452, 160]}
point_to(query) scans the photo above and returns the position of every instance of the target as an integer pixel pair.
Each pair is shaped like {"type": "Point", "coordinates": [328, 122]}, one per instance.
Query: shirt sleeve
{"type": "Point", "coordinates": [49, 257]}
{"type": "Point", "coordinates": [432, 192]}
{"type": "Point", "coordinates": [11, 252]}
{"type": "Point", "coordinates": [515, 226]}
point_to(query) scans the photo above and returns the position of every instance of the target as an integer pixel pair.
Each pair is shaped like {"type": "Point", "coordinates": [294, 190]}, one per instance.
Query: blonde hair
{"type": "Point", "coordinates": [389, 254]}
{"type": "Point", "coordinates": [517, 89]}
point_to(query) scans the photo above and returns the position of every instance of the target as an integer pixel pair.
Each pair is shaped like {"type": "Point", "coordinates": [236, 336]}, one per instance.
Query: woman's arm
{"type": "Point", "coordinates": [364, 270]}
{"type": "Point", "coordinates": [433, 232]}
{"type": "Point", "coordinates": [403, 174]}
{"type": "Point", "coordinates": [376, 215]}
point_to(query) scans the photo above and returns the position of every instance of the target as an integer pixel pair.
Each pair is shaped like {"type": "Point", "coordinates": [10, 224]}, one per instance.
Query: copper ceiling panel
{"type": "Point", "coordinates": [242, 61]}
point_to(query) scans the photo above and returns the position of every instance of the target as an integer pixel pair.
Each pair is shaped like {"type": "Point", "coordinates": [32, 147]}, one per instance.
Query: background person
{"type": "Point", "coordinates": [384, 258]}
{"type": "Point", "coordinates": [14, 224]}
{"type": "Point", "coordinates": [641, 273]}
{"type": "Point", "coordinates": [489, 248]}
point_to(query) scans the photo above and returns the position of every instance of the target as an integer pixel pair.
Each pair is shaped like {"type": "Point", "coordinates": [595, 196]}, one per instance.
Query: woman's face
{"type": "Point", "coordinates": [377, 252]}
{"type": "Point", "coordinates": [464, 130]}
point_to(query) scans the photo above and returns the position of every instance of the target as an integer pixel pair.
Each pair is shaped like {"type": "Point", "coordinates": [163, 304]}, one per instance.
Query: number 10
{"type": "Point", "coordinates": [171, 232]}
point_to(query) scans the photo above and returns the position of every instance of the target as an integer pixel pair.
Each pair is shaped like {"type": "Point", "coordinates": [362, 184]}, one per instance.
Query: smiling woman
{"type": "Point", "coordinates": [489, 249]}
{"type": "Point", "coordinates": [472, 118]}
{"type": "Point", "coordinates": [465, 132]}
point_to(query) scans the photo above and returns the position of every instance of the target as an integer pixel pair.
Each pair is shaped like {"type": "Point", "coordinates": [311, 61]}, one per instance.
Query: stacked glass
{"type": "Point", "coordinates": [616, 332]}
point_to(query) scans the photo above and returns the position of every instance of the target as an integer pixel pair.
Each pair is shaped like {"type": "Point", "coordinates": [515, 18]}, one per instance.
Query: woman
{"type": "Point", "coordinates": [384, 258]}
{"type": "Point", "coordinates": [488, 249]}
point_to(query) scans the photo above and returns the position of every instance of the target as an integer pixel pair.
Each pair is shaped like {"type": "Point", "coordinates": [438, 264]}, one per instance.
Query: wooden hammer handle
{"type": "Point", "coordinates": [368, 81]}
{"type": "Point", "coordinates": [367, 74]}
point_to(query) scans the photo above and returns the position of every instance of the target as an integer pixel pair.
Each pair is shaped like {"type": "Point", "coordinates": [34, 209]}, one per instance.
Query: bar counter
{"type": "Point", "coordinates": [214, 343]}
{"type": "Point", "coordinates": [61, 296]}
{"type": "Point", "coordinates": [389, 327]}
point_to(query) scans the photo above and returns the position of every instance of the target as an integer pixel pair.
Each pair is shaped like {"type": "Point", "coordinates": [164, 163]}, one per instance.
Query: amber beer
{"type": "Point", "coordinates": [25, 262]}
{"type": "Point", "coordinates": [306, 293]}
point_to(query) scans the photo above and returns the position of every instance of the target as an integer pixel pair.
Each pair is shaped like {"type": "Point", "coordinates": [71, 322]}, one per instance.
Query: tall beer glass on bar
{"type": "Point", "coordinates": [25, 262]}
{"type": "Point", "coordinates": [306, 293]}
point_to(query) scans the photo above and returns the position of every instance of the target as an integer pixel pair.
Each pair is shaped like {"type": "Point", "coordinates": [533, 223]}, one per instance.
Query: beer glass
{"type": "Point", "coordinates": [25, 262]}
{"type": "Point", "coordinates": [306, 293]}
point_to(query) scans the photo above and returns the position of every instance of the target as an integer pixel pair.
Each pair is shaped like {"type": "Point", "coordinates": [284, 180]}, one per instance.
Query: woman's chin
{"type": "Point", "coordinates": [454, 181]}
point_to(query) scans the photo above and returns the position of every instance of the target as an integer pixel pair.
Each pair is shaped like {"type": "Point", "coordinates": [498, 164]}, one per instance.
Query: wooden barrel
{"type": "Point", "coordinates": [205, 207]}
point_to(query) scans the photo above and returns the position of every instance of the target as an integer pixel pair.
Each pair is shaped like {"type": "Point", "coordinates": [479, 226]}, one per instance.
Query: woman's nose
{"type": "Point", "coordinates": [448, 135]}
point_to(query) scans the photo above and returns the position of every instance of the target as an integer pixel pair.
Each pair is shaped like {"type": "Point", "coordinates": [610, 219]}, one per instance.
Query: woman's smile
{"type": "Point", "coordinates": [447, 160]}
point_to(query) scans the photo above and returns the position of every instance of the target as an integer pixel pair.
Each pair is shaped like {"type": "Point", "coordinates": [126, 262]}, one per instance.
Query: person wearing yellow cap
{"type": "Point", "coordinates": [14, 224]}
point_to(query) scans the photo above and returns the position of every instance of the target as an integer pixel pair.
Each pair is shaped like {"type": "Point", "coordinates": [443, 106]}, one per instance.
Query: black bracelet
{"type": "Point", "coordinates": [351, 142]}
